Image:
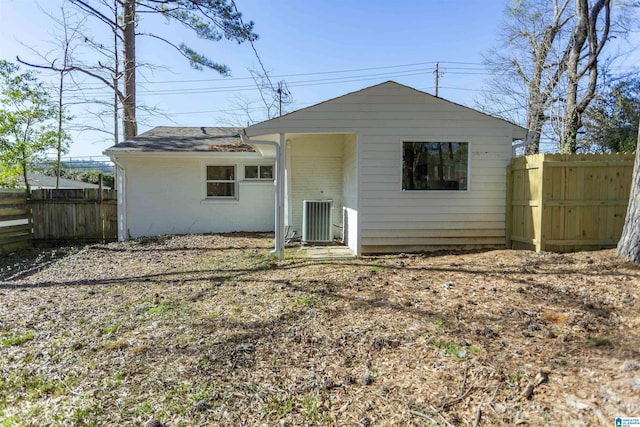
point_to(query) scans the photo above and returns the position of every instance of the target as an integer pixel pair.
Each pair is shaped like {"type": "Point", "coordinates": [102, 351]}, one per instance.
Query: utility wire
{"type": "Point", "coordinates": [253, 46]}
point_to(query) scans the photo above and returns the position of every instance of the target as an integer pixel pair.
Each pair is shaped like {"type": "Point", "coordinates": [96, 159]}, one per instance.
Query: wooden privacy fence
{"type": "Point", "coordinates": [74, 214]}
{"type": "Point", "coordinates": [567, 202]}
{"type": "Point", "coordinates": [15, 220]}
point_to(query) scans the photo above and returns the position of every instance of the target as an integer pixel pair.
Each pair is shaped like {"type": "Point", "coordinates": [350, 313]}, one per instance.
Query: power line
{"type": "Point", "coordinates": [353, 70]}
{"type": "Point", "coordinates": [253, 46]}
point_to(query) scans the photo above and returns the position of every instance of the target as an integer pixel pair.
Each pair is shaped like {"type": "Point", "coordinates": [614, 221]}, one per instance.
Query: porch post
{"type": "Point", "coordinates": [280, 188]}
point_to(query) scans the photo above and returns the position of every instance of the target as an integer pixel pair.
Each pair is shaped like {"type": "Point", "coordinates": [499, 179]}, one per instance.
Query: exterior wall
{"type": "Point", "coordinates": [316, 174]}
{"type": "Point", "coordinates": [390, 219]}
{"type": "Point", "coordinates": [167, 196]}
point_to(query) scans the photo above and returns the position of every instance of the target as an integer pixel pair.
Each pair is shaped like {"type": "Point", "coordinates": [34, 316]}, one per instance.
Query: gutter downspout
{"type": "Point", "coordinates": [280, 166]}
{"type": "Point", "coordinates": [122, 199]}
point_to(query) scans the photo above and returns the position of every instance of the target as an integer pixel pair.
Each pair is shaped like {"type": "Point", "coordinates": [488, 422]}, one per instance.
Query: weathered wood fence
{"type": "Point", "coordinates": [567, 202]}
{"type": "Point", "coordinates": [74, 214]}
{"type": "Point", "coordinates": [69, 214]}
{"type": "Point", "coordinates": [15, 220]}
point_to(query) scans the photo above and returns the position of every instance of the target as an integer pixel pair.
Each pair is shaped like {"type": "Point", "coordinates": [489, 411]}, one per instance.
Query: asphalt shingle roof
{"type": "Point", "coordinates": [185, 139]}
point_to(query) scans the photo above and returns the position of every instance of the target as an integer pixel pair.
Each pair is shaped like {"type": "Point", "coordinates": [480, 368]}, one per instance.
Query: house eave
{"type": "Point", "coordinates": [180, 154]}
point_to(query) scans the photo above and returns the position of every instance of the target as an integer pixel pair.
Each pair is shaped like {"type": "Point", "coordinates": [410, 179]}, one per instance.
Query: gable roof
{"type": "Point", "coordinates": [184, 139]}
{"type": "Point", "coordinates": [256, 129]}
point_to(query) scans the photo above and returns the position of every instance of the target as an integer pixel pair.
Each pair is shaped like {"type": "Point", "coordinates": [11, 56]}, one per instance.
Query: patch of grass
{"type": "Point", "coordinates": [516, 376]}
{"type": "Point", "coordinates": [144, 409]}
{"type": "Point", "coordinates": [158, 309]}
{"type": "Point", "coordinates": [307, 301]}
{"type": "Point", "coordinates": [85, 415]}
{"type": "Point", "coordinates": [454, 349]}
{"type": "Point", "coordinates": [17, 339]}
{"type": "Point", "coordinates": [311, 408]}
{"type": "Point", "coordinates": [23, 384]}
{"type": "Point", "coordinates": [438, 322]}
{"type": "Point", "coordinates": [109, 329]}
{"type": "Point", "coordinates": [204, 392]}
{"type": "Point", "coordinates": [281, 406]}
{"type": "Point", "coordinates": [11, 421]}
{"type": "Point", "coordinates": [115, 380]}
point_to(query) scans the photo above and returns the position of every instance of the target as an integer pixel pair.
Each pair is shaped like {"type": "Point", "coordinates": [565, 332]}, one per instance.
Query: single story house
{"type": "Point", "coordinates": [387, 168]}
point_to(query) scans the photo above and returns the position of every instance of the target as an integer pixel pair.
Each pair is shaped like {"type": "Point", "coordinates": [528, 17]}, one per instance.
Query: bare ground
{"type": "Point", "coordinates": [210, 330]}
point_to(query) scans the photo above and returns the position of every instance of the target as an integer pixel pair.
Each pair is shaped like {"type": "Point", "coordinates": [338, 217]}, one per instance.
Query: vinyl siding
{"type": "Point", "coordinates": [390, 219]}
{"type": "Point", "coordinates": [316, 174]}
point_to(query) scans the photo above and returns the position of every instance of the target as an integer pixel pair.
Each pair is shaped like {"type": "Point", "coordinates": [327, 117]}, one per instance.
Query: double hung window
{"type": "Point", "coordinates": [221, 182]}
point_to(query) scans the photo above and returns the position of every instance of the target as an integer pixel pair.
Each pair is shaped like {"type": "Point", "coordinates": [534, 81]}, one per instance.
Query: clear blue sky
{"type": "Point", "coordinates": [309, 43]}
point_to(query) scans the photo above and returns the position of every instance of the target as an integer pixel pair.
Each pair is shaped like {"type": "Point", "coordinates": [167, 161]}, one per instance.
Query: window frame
{"type": "Point", "coordinates": [432, 190]}
{"type": "Point", "coordinates": [206, 181]}
{"type": "Point", "coordinates": [259, 166]}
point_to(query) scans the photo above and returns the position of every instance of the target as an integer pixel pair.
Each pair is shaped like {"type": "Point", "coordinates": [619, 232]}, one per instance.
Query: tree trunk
{"type": "Point", "coordinates": [60, 117]}
{"type": "Point", "coordinates": [535, 121]}
{"type": "Point", "coordinates": [129, 105]}
{"type": "Point", "coordinates": [24, 175]}
{"type": "Point", "coordinates": [586, 32]}
{"type": "Point", "coordinates": [629, 244]}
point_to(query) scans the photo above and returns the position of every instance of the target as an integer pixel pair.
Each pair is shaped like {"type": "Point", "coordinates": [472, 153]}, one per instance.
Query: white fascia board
{"type": "Point", "coordinates": [185, 155]}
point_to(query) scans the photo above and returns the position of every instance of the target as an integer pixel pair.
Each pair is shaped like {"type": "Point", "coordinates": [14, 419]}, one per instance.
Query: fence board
{"type": "Point", "coordinates": [568, 202]}
{"type": "Point", "coordinates": [14, 208]}
{"type": "Point", "coordinates": [74, 214]}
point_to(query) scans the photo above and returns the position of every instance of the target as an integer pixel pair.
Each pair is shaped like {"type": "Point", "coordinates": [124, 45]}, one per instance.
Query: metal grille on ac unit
{"type": "Point", "coordinates": [316, 221]}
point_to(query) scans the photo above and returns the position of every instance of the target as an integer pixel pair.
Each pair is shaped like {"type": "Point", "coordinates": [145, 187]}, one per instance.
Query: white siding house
{"type": "Point", "coordinates": [350, 150]}
{"type": "Point", "coordinates": [404, 171]}
{"type": "Point", "coordinates": [162, 183]}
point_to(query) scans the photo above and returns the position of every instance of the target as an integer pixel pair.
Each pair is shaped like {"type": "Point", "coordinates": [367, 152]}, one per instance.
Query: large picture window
{"type": "Point", "coordinates": [435, 165]}
{"type": "Point", "coordinates": [221, 181]}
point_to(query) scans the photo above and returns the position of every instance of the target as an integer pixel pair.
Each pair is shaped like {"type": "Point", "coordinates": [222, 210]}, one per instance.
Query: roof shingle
{"type": "Point", "coordinates": [185, 139]}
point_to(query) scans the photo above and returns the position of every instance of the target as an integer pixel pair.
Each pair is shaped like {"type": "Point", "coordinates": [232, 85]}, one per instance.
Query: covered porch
{"type": "Point", "coordinates": [314, 167]}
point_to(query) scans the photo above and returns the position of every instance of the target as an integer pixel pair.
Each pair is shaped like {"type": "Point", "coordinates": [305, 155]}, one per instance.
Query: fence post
{"type": "Point", "coordinates": [509, 217]}
{"type": "Point", "coordinates": [101, 206]}
{"type": "Point", "coordinates": [540, 246]}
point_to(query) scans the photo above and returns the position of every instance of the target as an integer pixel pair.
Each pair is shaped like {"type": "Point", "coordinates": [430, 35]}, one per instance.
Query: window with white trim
{"type": "Point", "coordinates": [259, 172]}
{"type": "Point", "coordinates": [221, 182]}
{"type": "Point", "coordinates": [435, 166]}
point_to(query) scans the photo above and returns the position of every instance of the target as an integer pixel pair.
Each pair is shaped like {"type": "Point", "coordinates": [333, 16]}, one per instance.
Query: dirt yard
{"type": "Point", "coordinates": [210, 330]}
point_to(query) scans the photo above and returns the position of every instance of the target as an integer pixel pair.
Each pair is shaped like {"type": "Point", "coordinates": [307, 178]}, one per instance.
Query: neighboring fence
{"type": "Point", "coordinates": [567, 202]}
{"type": "Point", "coordinates": [77, 214]}
{"type": "Point", "coordinates": [15, 220]}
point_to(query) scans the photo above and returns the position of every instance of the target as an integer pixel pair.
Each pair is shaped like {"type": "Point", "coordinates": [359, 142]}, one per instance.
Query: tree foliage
{"type": "Point", "coordinates": [611, 122]}
{"type": "Point", "coordinates": [27, 122]}
{"type": "Point", "coordinates": [212, 20]}
{"type": "Point", "coordinates": [548, 63]}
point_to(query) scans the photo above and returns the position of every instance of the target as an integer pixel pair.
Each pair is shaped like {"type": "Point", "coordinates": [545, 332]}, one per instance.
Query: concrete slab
{"type": "Point", "coordinates": [328, 252]}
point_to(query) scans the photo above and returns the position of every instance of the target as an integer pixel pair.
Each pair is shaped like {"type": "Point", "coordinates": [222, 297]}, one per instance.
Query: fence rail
{"type": "Point", "coordinates": [567, 202]}
{"type": "Point", "coordinates": [15, 220]}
